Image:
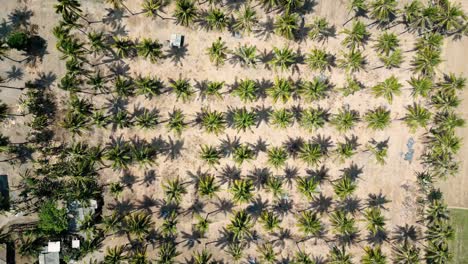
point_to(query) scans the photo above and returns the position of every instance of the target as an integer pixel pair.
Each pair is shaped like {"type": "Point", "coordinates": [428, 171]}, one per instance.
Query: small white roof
{"type": "Point", "coordinates": [76, 243]}
{"type": "Point", "coordinates": [53, 246]}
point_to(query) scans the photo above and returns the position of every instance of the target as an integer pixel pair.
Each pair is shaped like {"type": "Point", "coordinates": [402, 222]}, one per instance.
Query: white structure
{"type": "Point", "coordinates": [75, 243]}
{"type": "Point", "coordinates": [176, 41]}
{"type": "Point", "coordinates": [53, 247]}
{"type": "Point", "coordinates": [50, 254]}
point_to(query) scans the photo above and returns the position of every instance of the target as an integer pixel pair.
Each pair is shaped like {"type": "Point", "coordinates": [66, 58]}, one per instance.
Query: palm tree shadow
{"type": "Point", "coordinates": [229, 174]}
{"type": "Point", "coordinates": [265, 29]}
{"type": "Point", "coordinates": [290, 174]}
{"type": "Point", "coordinates": [259, 176]}
{"type": "Point", "coordinates": [263, 85]}
{"type": "Point", "coordinates": [146, 203]}
{"type": "Point", "coordinates": [353, 171]}
{"type": "Point", "coordinates": [175, 148]}
{"type": "Point", "coordinates": [20, 17]}
{"type": "Point", "coordinates": [377, 200]}
{"type": "Point", "coordinates": [293, 145]}
{"type": "Point", "coordinates": [324, 142]}
{"type": "Point", "coordinates": [177, 54]}
{"type": "Point", "coordinates": [197, 207]}
{"type": "Point", "coordinates": [259, 146]}
{"type": "Point", "coordinates": [263, 114]}
{"type": "Point", "coordinates": [45, 79]}
{"type": "Point", "coordinates": [322, 203]}
{"type": "Point", "coordinates": [378, 238]}
{"type": "Point", "coordinates": [403, 234]}
{"type": "Point", "coordinates": [257, 207]}
{"type": "Point", "coordinates": [119, 69]}
{"type": "Point", "coordinates": [223, 205]}
{"type": "Point", "coordinates": [319, 175]}
{"type": "Point", "coordinates": [350, 205]}
{"type": "Point", "coordinates": [114, 17]}
{"type": "Point", "coordinates": [283, 206]}
{"type": "Point", "coordinates": [228, 145]}
{"type": "Point", "coordinates": [128, 179]}
{"type": "Point", "coordinates": [122, 207]}
{"type": "Point", "coordinates": [281, 236]}
{"type": "Point", "coordinates": [166, 208]}
{"type": "Point", "coordinates": [191, 239]}
{"type": "Point", "coordinates": [15, 74]}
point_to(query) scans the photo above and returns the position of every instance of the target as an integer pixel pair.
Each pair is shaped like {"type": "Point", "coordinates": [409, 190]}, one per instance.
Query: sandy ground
{"type": "Point", "coordinates": [395, 180]}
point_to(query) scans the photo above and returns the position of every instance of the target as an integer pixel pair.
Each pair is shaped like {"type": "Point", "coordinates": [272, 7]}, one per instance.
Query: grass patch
{"type": "Point", "coordinates": [459, 219]}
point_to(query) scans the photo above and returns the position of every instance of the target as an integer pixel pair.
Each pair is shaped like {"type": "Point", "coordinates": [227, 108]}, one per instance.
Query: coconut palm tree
{"type": "Point", "coordinates": [311, 154]}
{"type": "Point", "coordinates": [375, 220]}
{"type": "Point", "coordinates": [243, 153]}
{"type": "Point", "coordinates": [386, 43]}
{"type": "Point", "coordinates": [421, 85]}
{"type": "Point", "coordinates": [283, 58]}
{"type": "Point", "coordinates": [185, 12]}
{"type": "Point", "coordinates": [339, 256]}
{"type": "Point", "coordinates": [182, 88]}
{"type": "Point", "coordinates": [287, 25]}
{"type": "Point", "coordinates": [123, 46]}
{"type": "Point", "coordinates": [357, 36]}
{"type": "Point", "coordinates": [169, 225]}
{"type": "Point", "coordinates": [321, 30]}
{"type": "Point", "coordinates": [174, 190]}
{"type": "Point", "coordinates": [151, 49]}
{"type": "Point", "coordinates": [246, 90]}
{"type": "Point", "coordinates": [406, 253]}
{"type": "Point", "coordinates": [247, 55]}
{"type": "Point", "coordinates": [351, 86]}
{"type": "Point", "coordinates": [75, 123]}
{"type": "Point", "coordinates": [416, 116]}
{"type": "Point", "coordinates": [277, 156]}
{"type": "Point", "coordinates": [440, 232]}
{"type": "Point", "coordinates": [213, 121]}
{"type": "Point", "coordinates": [448, 121]}
{"type": "Point", "coordinates": [379, 151]}
{"type": "Point", "coordinates": [388, 88]}
{"type": "Point", "coordinates": [202, 257]}
{"type": "Point", "coordinates": [345, 150]}
{"type": "Point", "coordinates": [345, 119]}
{"type": "Point", "coordinates": [411, 12]}
{"type": "Point", "coordinates": [445, 100]}
{"type": "Point", "coordinates": [244, 119]}
{"type": "Point", "coordinates": [207, 186]}
{"type": "Point", "coordinates": [378, 118]}
{"type": "Point", "coordinates": [352, 61]}
{"type": "Point", "coordinates": [212, 89]}
{"type": "Point", "coordinates": [320, 59]}
{"type": "Point", "coordinates": [452, 83]}
{"type": "Point", "coordinates": [138, 224]}
{"type": "Point", "coordinates": [236, 251]}
{"type": "Point", "coordinates": [269, 4]}
{"type": "Point", "coordinates": [290, 6]}
{"type": "Point", "coordinates": [438, 253]}
{"type": "Point", "coordinates": [309, 224]}
{"type": "Point", "coordinates": [151, 8]}
{"type": "Point", "coordinates": [122, 119]}
{"type": "Point", "coordinates": [344, 187]}
{"type": "Point", "coordinates": [148, 86]}
{"type": "Point", "coordinates": [147, 119]}
{"type": "Point", "coordinates": [450, 17]}
{"type": "Point", "coordinates": [431, 40]}
{"type": "Point", "coordinates": [303, 258]}
{"type": "Point", "coordinates": [282, 89]}
{"type": "Point", "coordinates": [123, 87]}
{"type": "Point", "coordinates": [359, 7]}
{"type": "Point", "coordinates": [216, 19]}
{"type": "Point", "coordinates": [373, 255]}
{"type": "Point", "coordinates": [314, 90]}
{"type": "Point", "coordinates": [307, 187]}
{"type": "Point", "coordinates": [384, 11]}
{"type": "Point", "coordinates": [246, 19]}
{"type": "Point", "coordinates": [97, 82]}
{"type": "Point", "coordinates": [202, 225]}
{"type": "Point", "coordinates": [119, 154]}
{"type": "Point", "coordinates": [281, 118]}
{"type": "Point", "coordinates": [69, 9]}
{"type": "Point", "coordinates": [313, 118]}
{"type": "Point", "coordinates": [269, 220]}
{"type": "Point", "coordinates": [114, 255]}
{"type": "Point", "coordinates": [426, 60]}
{"type": "Point", "coordinates": [210, 155]}
{"type": "Point", "coordinates": [167, 252]}
{"type": "Point", "coordinates": [275, 186]}
{"type": "Point", "coordinates": [71, 48]}
{"type": "Point", "coordinates": [176, 121]}
{"type": "Point", "coordinates": [240, 226]}
{"type": "Point", "coordinates": [343, 224]}
{"type": "Point", "coordinates": [96, 41]}
{"type": "Point", "coordinates": [217, 52]}
{"type": "Point", "coordinates": [267, 254]}
{"type": "Point", "coordinates": [392, 60]}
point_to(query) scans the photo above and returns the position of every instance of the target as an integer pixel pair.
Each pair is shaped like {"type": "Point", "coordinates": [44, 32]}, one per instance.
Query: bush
{"type": "Point", "coordinates": [18, 40]}
{"type": "Point", "coordinates": [52, 220]}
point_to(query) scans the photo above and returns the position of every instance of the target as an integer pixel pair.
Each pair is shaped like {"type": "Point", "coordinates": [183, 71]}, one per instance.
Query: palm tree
{"type": "Point", "coordinates": [440, 232]}
{"type": "Point", "coordinates": [426, 60]}
{"type": "Point", "coordinates": [375, 220]}
{"type": "Point", "coordinates": [147, 119]}
{"type": "Point", "coordinates": [319, 59]}
{"type": "Point", "coordinates": [353, 61]}
{"type": "Point", "coordinates": [452, 83]}
{"type": "Point", "coordinates": [359, 7]}
{"type": "Point", "coordinates": [112, 222]}
{"type": "Point", "coordinates": [123, 87]}
{"type": "Point", "coordinates": [345, 119]}
{"type": "Point", "coordinates": [386, 43]}
{"type": "Point", "coordinates": [174, 190]}
{"type": "Point", "coordinates": [207, 186]}
{"type": "Point", "coordinates": [236, 251]}
{"type": "Point", "coordinates": [114, 255]}
{"type": "Point", "coordinates": [445, 100]}
{"type": "Point", "coordinates": [246, 19]}
{"type": "Point", "coordinates": [303, 258]}
{"type": "Point", "coordinates": [247, 55]}
{"type": "Point", "coordinates": [167, 252]}
{"type": "Point", "coordinates": [283, 58]}
{"type": "Point", "coordinates": [277, 156]}
{"type": "Point", "coordinates": [421, 86]}
{"type": "Point", "coordinates": [384, 11]}
{"type": "Point", "coordinates": [282, 118]}
{"type": "Point", "coordinates": [118, 4]}
{"type": "Point", "coordinates": [450, 18]}
{"type": "Point", "coordinates": [431, 40]}
{"type": "Point", "coordinates": [309, 224]}
{"type": "Point", "coordinates": [448, 121]}
{"type": "Point", "coordinates": [97, 82]}
{"type": "Point", "coordinates": [217, 52]}
{"type": "Point", "coordinates": [202, 257]}
{"type": "Point", "coordinates": [151, 8]}
{"type": "Point", "coordinates": [344, 187]}
{"type": "Point", "coordinates": [268, 255]}
{"type": "Point", "coordinates": [210, 155]}
{"type": "Point", "coordinates": [148, 86]}
{"type": "Point", "coordinates": [69, 9]}
{"type": "Point", "coordinates": [96, 42]}
{"type": "Point", "coordinates": [351, 86]}
{"type": "Point", "coordinates": [388, 88]}
{"type": "Point", "coordinates": [373, 255]}
{"type": "Point", "coordinates": [269, 220]}
{"type": "Point", "coordinates": [307, 187]}
{"type": "Point", "coordinates": [243, 153]}
{"type": "Point", "coordinates": [287, 25]}
{"type": "Point", "coordinates": [138, 224]}
{"type": "Point", "coordinates": [355, 37]}
{"type": "Point", "coordinates": [240, 226]}
{"type": "Point", "coordinates": [313, 118]}
{"type": "Point", "coordinates": [169, 225]}
{"type": "Point", "coordinates": [242, 190]}
{"type": "Point", "coordinates": [378, 118]}
{"type": "Point", "coordinates": [185, 12]}
{"type": "Point", "coordinates": [291, 5]}
{"type": "Point", "coordinates": [311, 154]}
{"type": "Point", "coordinates": [339, 256]}
{"type": "Point", "coordinates": [345, 150]}
{"type": "Point", "coordinates": [216, 19]}
{"type": "Point", "coordinates": [176, 121]}
{"type": "Point", "coordinates": [202, 225]}
{"type": "Point", "coordinates": [412, 11]}
{"type": "Point", "coordinates": [244, 119]}
{"type": "Point", "coordinates": [75, 123]}
{"type": "Point", "coordinates": [406, 253]}
{"type": "Point", "coordinates": [213, 121]}
{"type": "Point", "coordinates": [122, 119]}
{"type": "Point", "coordinates": [119, 154]}
{"type": "Point", "coordinates": [343, 224]}
{"type": "Point", "coordinates": [320, 29]}
{"type": "Point", "coordinates": [314, 90]}
{"type": "Point", "coordinates": [275, 186]}
{"type": "Point", "coordinates": [182, 88]}
{"type": "Point", "coordinates": [212, 89]}
{"type": "Point", "coordinates": [246, 90]}
{"type": "Point", "coordinates": [392, 60]}
{"type": "Point", "coordinates": [269, 4]}
{"type": "Point", "coordinates": [281, 89]}
{"type": "Point", "coordinates": [124, 47]}
{"type": "Point", "coordinates": [416, 116]}
{"type": "Point", "coordinates": [144, 154]}
{"type": "Point", "coordinates": [150, 49]}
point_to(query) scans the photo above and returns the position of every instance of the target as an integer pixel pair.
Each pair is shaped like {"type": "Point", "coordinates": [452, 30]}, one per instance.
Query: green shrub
{"type": "Point", "coordinates": [18, 40]}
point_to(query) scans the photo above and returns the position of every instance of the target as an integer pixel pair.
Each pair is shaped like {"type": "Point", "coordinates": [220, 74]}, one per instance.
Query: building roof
{"type": "Point", "coordinates": [53, 246]}
{"type": "Point", "coordinates": [49, 258]}
{"type": "Point", "coordinates": [78, 211]}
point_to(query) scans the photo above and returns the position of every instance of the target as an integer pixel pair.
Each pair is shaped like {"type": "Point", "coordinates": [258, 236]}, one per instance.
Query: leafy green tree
{"type": "Point", "coordinates": [185, 12]}
{"type": "Point", "coordinates": [451, 17]}
{"type": "Point", "coordinates": [174, 190]}
{"type": "Point", "coordinates": [417, 116]}
{"type": "Point", "coordinates": [355, 37]}
{"type": "Point", "coordinates": [314, 90]}
{"type": "Point", "coordinates": [218, 52]}
{"type": "Point", "coordinates": [421, 85]}
{"type": "Point", "coordinates": [18, 40]}
{"type": "Point", "coordinates": [246, 19]}
{"type": "Point", "coordinates": [275, 186]}
{"type": "Point", "coordinates": [167, 252]}
{"type": "Point", "coordinates": [240, 226]}
{"type": "Point", "coordinates": [345, 150]}
{"type": "Point", "coordinates": [213, 121]}
{"type": "Point", "coordinates": [406, 253]}
{"type": "Point", "coordinates": [246, 90]}
{"type": "Point", "coordinates": [373, 255]}
{"type": "Point", "coordinates": [147, 119]}
{"type": "Point", "coordinates": [351, 86]}
{"type": "Point", "coordinates": [313, 119]}
{"type": "Point", "coordinates": [207, 186]}
{"type": "Point", "coordinates": [378, 118]}
{"type": "Point", "coordinates": [123, 46]}
{"type": "Point", "coordinates": [114, 255]}
{"type": "Point", "coordinates": [119, 154]}
{"type": "Point", "coordinates": [283, 58]}
{"type": "Point", "coordinates": [210, 155]}
{"type": "Point", "coordinates": [244, 119]}
{"type": "Point", "coordinates": [268, 255]}
{"type": "Point", "coordinates": [216, 19]}
{"type": "Point", "coordinates": [183, 89]}
{"type": "Point", "coordinates": [383, 11]}
{"type": "Point", "coordinates": [353, 61]}
{"type": "Point", "coordinates": [277, 156]}
{"type": "Point", "coordinates": [386, 43]}
{"type": "Point", "coordinates": [97, 42]}
{"type": "Point", "coordinates": [392, 60]}
{"type": "Point", "coordinates": [52, 220]}
{"type": "Point", "coordinates": [242, 190]}
{"type": "Point", "coordinates": [122, 119]}
{"type": "Point", "coordinates": [345, 119]}
{"type": "Point", "coordinates": [307, 187]}
{"type": "Point", "coordinates": [243, 153]}
{"type": "Point", "coordinates": [287, 25]}
{"type": "Point", "coordinates": [452, 82]}
{"type": "Point", "coordinates": [343, 224]}
{"type": "Point", "coordinates": [339, 256]}
{"type": "Point", "coordinates": [152, 8]}
{"type": "Point", "coordinates": [445, 100]}
{"type": "Point", "coordinates": [151, 49]}
{"type": "Point", "coordinates": [282, 89]}
{"type": "Point", "coordinates": [344, 187]}
{"type": "Point", "coordinates": [448, 121]}
{"type": "Point", "coordinates": [212, 89]}
{"type": "Point", "coordinates": [309, 224]}
{"type": "Point", "coordinates": [270, 221]}
{"type": "Point", "coordinates": [321, 30]}
{"type": "Point", "coordinates": [148, 86]}
{"type": "Point", "coordinates": [426, 60]}
{"type": "Point", "coordinates": [247, 55]}
{"type": "Point", "coordinates": [388, 88]}
{"type": "Point", "coordinates": [176, 121]}
{"type": "Point", "coordinates": [311, 154]}
{"type": "Point", "coordinates": [202, 257]}
{"type": "Point", "coordinates": [319, 59]}
{"type": "Point", "coordinates": [375, 220]}
{"type": "Point", "coordinates": [281, 118]}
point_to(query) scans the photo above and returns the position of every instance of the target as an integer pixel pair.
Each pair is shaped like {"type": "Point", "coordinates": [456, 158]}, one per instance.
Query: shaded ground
{"type": "Point", "coordinates": [460, 245]}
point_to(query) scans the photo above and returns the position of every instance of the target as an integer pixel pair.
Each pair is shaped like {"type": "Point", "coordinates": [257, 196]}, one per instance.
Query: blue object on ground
{"type": "Point", "coordinates": [409, 155]}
